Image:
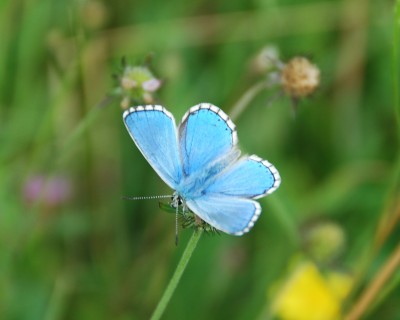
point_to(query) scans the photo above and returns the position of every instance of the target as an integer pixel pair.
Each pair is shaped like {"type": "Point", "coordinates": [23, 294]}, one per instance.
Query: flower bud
{"type": "Point", "coordinates": [324, 241]}
{"type": "Point", "coordinates": [137, 86]}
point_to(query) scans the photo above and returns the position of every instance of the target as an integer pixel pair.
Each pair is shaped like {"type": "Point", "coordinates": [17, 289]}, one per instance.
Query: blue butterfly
{"type": "Point", "coordinates": [200, 161]}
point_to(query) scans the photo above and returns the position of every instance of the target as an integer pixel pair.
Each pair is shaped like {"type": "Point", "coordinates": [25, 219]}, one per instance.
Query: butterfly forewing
{"type": "Point", "coordinates": [205, 134]}
{"type": "Point", "coordinates": [153, 130]}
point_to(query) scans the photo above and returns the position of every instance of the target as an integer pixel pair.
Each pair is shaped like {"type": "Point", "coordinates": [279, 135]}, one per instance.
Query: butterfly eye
{"type": "Point", "coordinates": [176, 201]}
{"type": "Point", "coordinates": [179, 201]}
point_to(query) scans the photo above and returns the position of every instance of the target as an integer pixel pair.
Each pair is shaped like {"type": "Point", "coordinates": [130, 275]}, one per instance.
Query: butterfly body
{"type": "Point", "coordinates": [200, 161]}
{"type": "Point", "coordinates": [196, 184]}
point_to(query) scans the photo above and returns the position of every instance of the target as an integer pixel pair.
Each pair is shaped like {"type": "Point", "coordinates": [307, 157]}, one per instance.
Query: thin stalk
{"type": "Point", "coordinates": [282, 213]}
{"type": "Point", "coordinates": [246, 98]}
{"type": "Point", "coordinates": [59, 298]}
{"type": "Point", "coordinates": [371, 292]}
{"type": "Point", "coordinates": [169, 291]}
{"type": "Point", "coordinates": [388, 219]}
{"type": "Point", "coordinates": [395, 62]}
{"type": "Point", "coordinates": [77, 133]}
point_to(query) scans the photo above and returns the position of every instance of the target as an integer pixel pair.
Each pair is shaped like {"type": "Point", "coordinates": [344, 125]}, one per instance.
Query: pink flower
{"type": "Point", "coordinates": [51, 191]}
{"type": "Point", "coordinates": [151, 85]}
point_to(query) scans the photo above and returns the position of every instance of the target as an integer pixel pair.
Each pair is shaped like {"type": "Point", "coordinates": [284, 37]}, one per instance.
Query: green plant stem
{"type": "Point", "coordinates": [169, 291]}
{"type": "Point", "coordinates": [57, 304]}
{"type": "Point", "coordinates": [246, 98]}
{"type": "Point", "coordinates": [286, 221]}
{"type": "Point", "coordinates": [396, 63]}
{"type": "Point", "coordinates": [77, 133]}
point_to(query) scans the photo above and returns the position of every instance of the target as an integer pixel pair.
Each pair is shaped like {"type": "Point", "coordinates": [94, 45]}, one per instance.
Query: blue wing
{"type": "Point", "coordinates": [224, 204]}
{"type": "Point", "coordinates": [205, 134]}
{"type": "Point", "coordinates": [251, 177]}
{"type": "Point", "coordinates": [232, 215]}
{"type": "Point", "coordinates": [153, 130]}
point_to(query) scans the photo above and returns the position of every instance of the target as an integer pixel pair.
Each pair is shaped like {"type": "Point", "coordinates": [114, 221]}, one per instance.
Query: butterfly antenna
{"type": "Point", "coordinates": [146, 198]}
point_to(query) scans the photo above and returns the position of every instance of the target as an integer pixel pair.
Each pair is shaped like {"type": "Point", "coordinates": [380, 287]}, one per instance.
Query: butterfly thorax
{"type": "Point", "coordinates": [195, 184]}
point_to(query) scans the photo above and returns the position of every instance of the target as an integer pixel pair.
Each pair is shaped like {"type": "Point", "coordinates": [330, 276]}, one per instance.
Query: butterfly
{"type": "Point", "coordinates": [200, 160]}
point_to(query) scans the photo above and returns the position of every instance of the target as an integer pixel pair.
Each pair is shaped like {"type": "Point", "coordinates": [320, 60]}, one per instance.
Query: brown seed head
{"type": "Point", "coordinates": [299, 77]}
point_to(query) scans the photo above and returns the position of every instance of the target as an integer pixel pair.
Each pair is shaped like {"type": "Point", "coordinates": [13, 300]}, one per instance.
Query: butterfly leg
{"type": "Point", "coordinates": [198, 220]}
{"type": "Point", "coordinates": [176, 227]}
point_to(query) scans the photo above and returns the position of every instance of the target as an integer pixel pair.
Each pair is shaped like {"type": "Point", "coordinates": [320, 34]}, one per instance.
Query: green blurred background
{"type": "Point", "coordinates": [70, 248]}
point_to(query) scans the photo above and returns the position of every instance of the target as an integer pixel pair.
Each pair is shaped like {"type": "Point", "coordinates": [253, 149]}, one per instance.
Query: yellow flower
{"type": "Point", "coordinates": [307, 295]}
{"type": "Point", "coordinates": [340, 284]}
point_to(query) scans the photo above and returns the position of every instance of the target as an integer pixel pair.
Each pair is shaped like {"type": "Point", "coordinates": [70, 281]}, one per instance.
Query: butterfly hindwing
{"type": "Point", "coordinates": [153, 130]}
{"type": "Point", "coordinates": [250, 177]}
{"type": "Point", "coordinates": [232, 215]}
{"type": "Point", "coordinates": [205, 134]}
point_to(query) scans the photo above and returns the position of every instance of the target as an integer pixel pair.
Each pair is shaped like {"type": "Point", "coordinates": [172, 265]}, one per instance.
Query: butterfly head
{"type": "Point", "coordinates": [177, 200]}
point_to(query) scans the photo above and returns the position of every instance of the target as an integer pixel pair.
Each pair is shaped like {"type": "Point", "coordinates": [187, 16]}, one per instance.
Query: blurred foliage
{"type": "Point", "coordinates": [87, 254]}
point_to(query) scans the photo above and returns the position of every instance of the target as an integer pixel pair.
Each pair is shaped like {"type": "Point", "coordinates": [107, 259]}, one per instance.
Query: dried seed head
{"type": "Point", "coordinates": [299, 77]}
